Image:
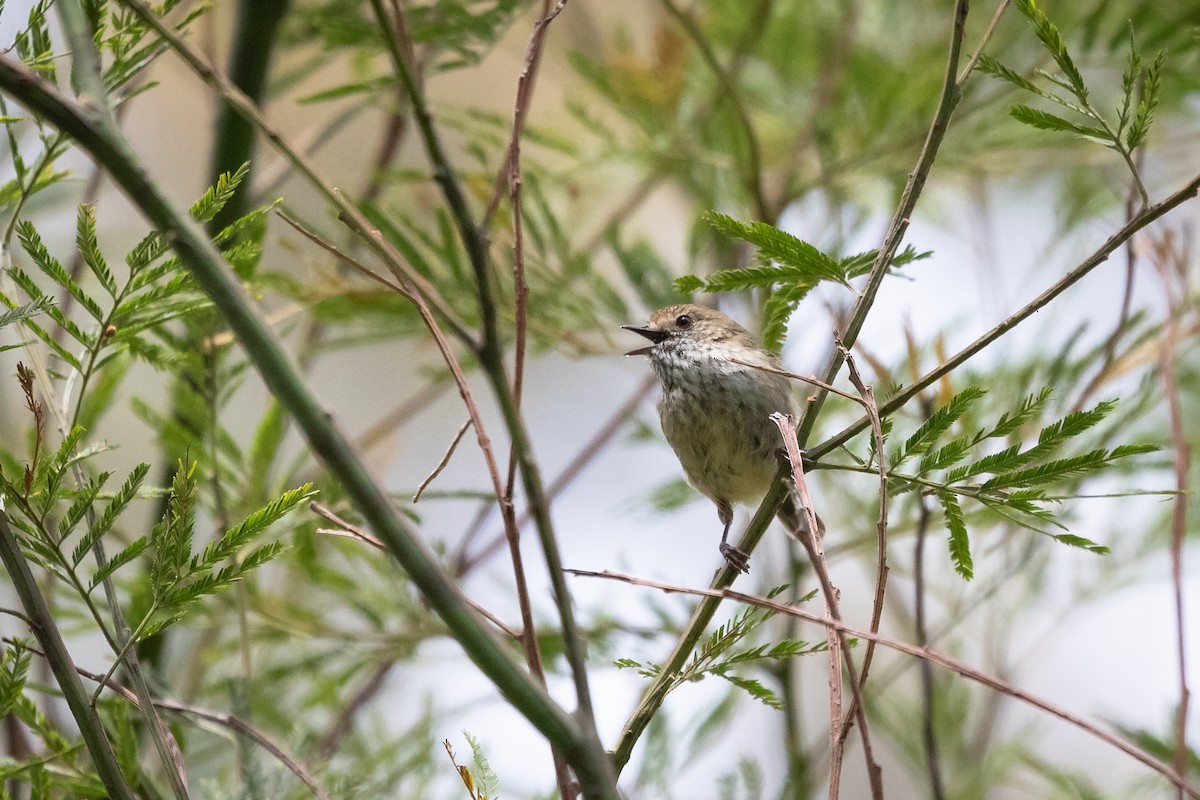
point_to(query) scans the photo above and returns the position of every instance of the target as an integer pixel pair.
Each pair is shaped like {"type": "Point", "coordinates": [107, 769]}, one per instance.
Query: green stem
{"type": "Point", "coordinates": [59, 658]}
{"type": "Point", "coordinates": [491, 356]}
{"type": "Point", "coordinates": [1140, 221]}
{"type": "Point", "coordinates": [113, 151]}
{"type": "Point", "coordinates": [257, 25]}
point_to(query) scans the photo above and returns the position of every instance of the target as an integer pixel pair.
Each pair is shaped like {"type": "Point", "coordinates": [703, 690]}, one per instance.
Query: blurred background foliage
{"type": "Point", "coordinates": [804, 115]}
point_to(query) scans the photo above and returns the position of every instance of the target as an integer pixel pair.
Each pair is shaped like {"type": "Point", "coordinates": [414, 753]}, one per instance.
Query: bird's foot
{"type": "Point", "coordinates": [736, 557]}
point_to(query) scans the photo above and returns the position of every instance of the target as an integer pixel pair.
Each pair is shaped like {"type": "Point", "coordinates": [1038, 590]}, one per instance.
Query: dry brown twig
{"type": "Point", "coordinates": [839, 653]}
{"type": "Point", "coordinates": [926, 653]}
{"type": "Point", "coordinates": [881, 565]}
{"type": "Point", "coordinates": [1172, 264]}
{"type": "Point", "coordinates": [462, 429]}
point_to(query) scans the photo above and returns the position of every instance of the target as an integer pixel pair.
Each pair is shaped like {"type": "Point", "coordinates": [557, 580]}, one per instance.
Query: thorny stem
{"type": "Point", "coordinates": [206, 263]}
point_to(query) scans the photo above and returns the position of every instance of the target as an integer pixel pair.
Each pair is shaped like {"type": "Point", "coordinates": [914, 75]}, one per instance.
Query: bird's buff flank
{"type": "Point", "coordinates": [715, 412]}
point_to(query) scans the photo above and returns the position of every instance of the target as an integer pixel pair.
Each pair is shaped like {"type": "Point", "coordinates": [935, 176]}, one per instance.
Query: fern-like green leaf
{"type": "Point", "coordinates": [89, 249]}
{"type": "Point", "coordinates": [20, 313]}
{"type": "Point", "coordinates": [1044, 120]}
{"type": "Point", "coordinates": [1142, 120]}
{"type": "Point", "coordinates": [31, 243]}
{"type": "Point", "coordinates": [1049, 34]}
{"type": "Point", "coordinates": [486, 778]}
{"type": "Point", "coordinates": [1064, 468]}
{"type": "Point", "coordinates": [115, 507]}
{"type": "Point", "coordinates": [806, 262]}
{"type": "Point", "coordinates": [122, 557]}
{"type": "Point", "coordinates": [778, 309]}
{"type": "Point", "coordinates": [960, 542]}
{"type": "Point", "coordinates": [213, 200]}
{"type": "Point", "coordinates": [938, 423]}
{"type": "Point", "coordinates": [14, 669]}
{"type": "Point", "coordinates": [755, 689]}
{"type": "Point", "coordinates": [237, 538]}
{"type": "Point", "coordinates": [1029, 408]}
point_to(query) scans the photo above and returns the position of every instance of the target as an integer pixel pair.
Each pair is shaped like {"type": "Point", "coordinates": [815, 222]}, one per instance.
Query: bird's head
{"type": "Point", "coordinates": [690, 329]}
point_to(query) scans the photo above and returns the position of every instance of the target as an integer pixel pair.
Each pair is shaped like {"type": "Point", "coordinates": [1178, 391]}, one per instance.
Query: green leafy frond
{"type": "Point", "coordinates": [488, 783]}
{"type": "Point", "coordinates": [959, 542]}
{"type": "Point", "coordinates": [31, 243]}
{"type": "Point", "coordinates": [1144, 117]}
{"type": "Point", "coordinates": [1053, 40]}
{"type": "Point", "coordinates": [113, 509]}
{"type": "Point", "coordinates": [780, 305]}
{"type": "Point", "coordinates": [85, 240]}
{"type": "Point", "coordinates": [806, 262]}
{"type": "Point", "coordinates": [1046, 121]}
{"type": "Point", "coordinates": [1065, 468]}
{"type": "Point", "coordinates": [14, 669]}
{"type": "Point", "coordinates": [237, 538]}
{"type": "Point", "coordinates": [938, 423]}
{"type": "Point", "coordinates": [213, 200]}
{"type": "Point", "coordinates": [20, 313]}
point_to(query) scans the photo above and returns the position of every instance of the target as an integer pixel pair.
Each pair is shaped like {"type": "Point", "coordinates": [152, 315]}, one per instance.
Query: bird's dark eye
{"type": "Point", "coordinates": [683, 322]}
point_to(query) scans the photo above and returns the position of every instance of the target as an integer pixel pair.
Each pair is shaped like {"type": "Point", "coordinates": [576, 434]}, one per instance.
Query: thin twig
{"type": "Point", "coordinates": [525, 84]}
{"type": "Point", "coordinates": [881, 565]}
{"type": "Point", "coordinates": [592, 448]}
{"type": "Point", "coordinates": [933, 656]}
{"type": "Point", "coordinates": [462, 429]}
{"type": "Point", "coordinates": [1098, 257]}
{"type": "Point", "coordinates": [987, 37]}
{"type": "Point", "coordinates": [839, 651]}
{"type": "Point", "coordinates": [1170, 260]}
{"type": "Point", "coordinates": [928, 735]}
{"type": "Point", "coordinates": [950, 95]}
{"type": "Point", "coordinates": [491, 361]}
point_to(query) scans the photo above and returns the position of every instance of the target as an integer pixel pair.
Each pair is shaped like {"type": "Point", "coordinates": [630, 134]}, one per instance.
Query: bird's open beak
{"type": "Point", "coordinates": [653, 335]}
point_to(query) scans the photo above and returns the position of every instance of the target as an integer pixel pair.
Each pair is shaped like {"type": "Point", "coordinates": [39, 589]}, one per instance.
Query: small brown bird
{"type": "Point", "coordinates": [715, 412]}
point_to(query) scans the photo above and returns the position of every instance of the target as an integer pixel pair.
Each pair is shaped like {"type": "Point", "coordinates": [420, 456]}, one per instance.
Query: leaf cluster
{"type": "Point", "coordinates": [130, 314]}
{"type": "Point", "coordinates": [179, 577]}
{"type": "Point", "coordinates": [724, 650]}
{"type": "Point", "coordinates": [1014, 481]}
{"type": "Point", "coordinates": [1140, 93]}
{"type": "Point", "coordinates": [789, 268]}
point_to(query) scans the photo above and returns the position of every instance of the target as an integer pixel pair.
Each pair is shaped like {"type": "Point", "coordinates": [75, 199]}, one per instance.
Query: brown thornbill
{"type": "Point", "coordinates": [715, 411]}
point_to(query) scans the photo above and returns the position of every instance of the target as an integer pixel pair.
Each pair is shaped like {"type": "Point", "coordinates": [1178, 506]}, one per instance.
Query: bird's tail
{"type": "Point", "coordinates": [792, 515]}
